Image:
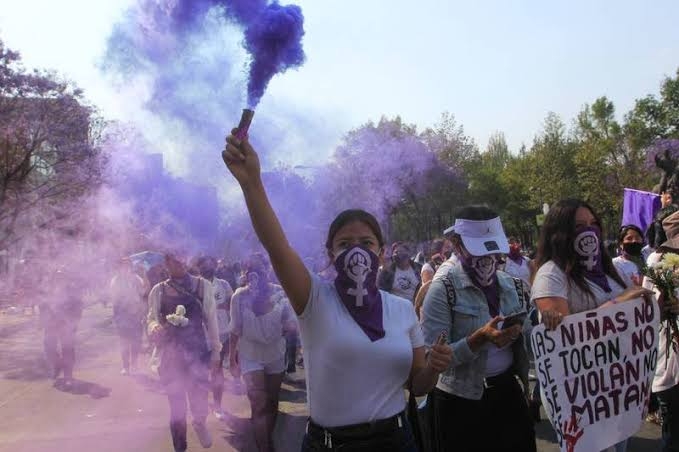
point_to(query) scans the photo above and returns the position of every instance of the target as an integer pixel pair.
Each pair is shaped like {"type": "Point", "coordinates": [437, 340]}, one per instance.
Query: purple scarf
{"type": "Point", "coordinates": [482, 270]}
{"type": "Point", "coordinates": [587, 246]}
{"type": "Point", "coordinates": [515, 255]}
{"type": "Point", "coordinates": [356, 285]}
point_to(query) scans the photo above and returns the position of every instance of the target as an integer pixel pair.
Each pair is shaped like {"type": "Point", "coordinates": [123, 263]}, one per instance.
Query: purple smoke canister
{"type": "Point", "coordinates": [244, 124]}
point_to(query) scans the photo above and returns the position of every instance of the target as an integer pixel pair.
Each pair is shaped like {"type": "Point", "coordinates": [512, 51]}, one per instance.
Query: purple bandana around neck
{"type": "Point", "coordinates": [515, 255]}
{"type": "Point", "coordinates": [482, 271]}
{"type": "Point", "coordinates": [356, 284]}
{"type": "Point", "coordinates": [587, 246]}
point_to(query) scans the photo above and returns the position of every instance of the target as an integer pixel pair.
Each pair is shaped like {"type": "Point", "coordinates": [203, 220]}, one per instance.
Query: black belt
{"type": "Point", "coordinates": [499, 380]}
{"type": "Point", "coordinates": [356, 431]}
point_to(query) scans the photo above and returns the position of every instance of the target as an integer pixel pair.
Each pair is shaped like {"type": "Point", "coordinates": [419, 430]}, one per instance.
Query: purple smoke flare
{"type": "Point", "coordinates": [274, 40]}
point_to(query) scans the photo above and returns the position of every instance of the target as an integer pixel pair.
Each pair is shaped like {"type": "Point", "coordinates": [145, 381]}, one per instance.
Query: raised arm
{"type": "Point", "coordinates": [243, 162]}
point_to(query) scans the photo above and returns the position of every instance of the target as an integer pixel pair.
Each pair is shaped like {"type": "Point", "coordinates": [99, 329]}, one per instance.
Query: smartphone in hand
{"type": "Point", "coordinates": [514, 319]}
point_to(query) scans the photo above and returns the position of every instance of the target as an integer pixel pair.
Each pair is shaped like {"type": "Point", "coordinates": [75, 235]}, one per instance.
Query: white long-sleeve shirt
{"type": "Point", "coordinates": [209, 312]}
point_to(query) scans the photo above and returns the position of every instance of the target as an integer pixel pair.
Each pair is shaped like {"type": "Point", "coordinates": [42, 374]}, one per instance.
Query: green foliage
{"type": "Point", "coordinates": [595, 161]}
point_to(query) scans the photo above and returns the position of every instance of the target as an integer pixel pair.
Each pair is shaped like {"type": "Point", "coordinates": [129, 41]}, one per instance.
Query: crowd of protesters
{"type": "Point", "coordinates": [378, 328]}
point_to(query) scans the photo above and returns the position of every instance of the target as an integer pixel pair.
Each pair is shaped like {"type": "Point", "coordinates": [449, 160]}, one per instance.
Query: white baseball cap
{"type": "Point", "coordinates": [481, 237]}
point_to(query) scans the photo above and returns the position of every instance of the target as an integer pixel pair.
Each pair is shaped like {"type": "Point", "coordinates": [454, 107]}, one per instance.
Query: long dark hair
{"type": "Point", "coordinates": [349, 216]}
{"type": "Point", "coordinates": [556, 243]}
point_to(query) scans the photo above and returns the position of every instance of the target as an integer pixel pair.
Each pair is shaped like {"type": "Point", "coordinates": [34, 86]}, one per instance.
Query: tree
{"type": "Point", "coordinates": [48, 146]}
{"type": "Point", "coordinates": [553, 175]}
{"type": "Point", "coordinates": [653, 118]}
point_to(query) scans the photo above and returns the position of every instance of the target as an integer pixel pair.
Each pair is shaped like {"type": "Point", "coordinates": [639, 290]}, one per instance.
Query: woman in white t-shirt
{"type": "Point", "coordinates": [361, 345]}
{"type": "Point", "coordinates": [575, 273]}
{"type": "Point", "coordinates": [441, 249]}
{"type": "Point", "coordinates": [516, 264]}
{"type": "Point", "coordinates": [260, 317]}
{"type": "Point", "coordinates": [629, 262]}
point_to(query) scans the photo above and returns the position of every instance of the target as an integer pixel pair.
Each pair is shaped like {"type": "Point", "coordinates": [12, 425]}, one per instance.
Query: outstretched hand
{"type": "Point", "coordinates": [241, 159]}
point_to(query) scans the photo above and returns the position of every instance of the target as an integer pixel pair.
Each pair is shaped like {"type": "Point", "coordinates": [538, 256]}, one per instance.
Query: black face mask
{"type": "Point", "coordinates": [632, 249]}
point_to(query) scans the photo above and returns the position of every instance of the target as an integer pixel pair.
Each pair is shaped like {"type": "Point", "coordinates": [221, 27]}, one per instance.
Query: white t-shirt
{"type": "Point", "coordinates": [260, 336]}
{"type": "Point", "coordinates": [350, 379]}
{"type": "Point", "coordinates": [520, 270]}
{"type": "Point", "coordinates": [628, 271]}
{"type": "Point", "coordinates": [405, 283]}
{"type": "Point", "coordinates": [667, 371]}
{"type": "Point", "coordinates": [127, 288]}
{"type": "Point", "coordinates": [427, 268]}
{"type": "Point", "coordinates": [551, 281]}
{"type": "Point", "coordinates": [499, 359]}
{"type": "Point", "coordinates": [223, 294]}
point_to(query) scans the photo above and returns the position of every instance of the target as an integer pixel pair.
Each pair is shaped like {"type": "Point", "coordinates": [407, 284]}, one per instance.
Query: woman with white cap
{"type": "Point", "coordinates": [477, 404]}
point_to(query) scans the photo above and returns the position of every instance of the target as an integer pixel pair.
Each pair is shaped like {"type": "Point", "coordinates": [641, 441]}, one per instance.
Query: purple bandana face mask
{"type": "Point", "coordinates": [482, 269]}
{"type": "Point", "coordinates": [587, 247]}
{"type": "Point", "coordinates": [356, 285]}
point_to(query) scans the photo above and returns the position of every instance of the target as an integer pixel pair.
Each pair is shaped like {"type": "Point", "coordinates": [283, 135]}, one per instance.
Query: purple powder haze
{"type": "Point", "coordinates": [187, 57]}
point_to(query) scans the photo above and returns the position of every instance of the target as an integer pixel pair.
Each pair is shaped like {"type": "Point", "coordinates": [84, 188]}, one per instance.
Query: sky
{"type": "Point", "coordinates": [495, 65]}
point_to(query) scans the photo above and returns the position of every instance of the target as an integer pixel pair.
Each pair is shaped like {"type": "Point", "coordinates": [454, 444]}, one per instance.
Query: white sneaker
{"type": "Point", "coordinates": [220, 414]}
{"type": "Point", "coordinates": [203, 434]}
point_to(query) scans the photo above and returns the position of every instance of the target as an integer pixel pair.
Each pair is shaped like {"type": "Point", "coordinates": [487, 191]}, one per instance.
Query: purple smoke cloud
{"type": "Point", "coordinates": [274, 40]}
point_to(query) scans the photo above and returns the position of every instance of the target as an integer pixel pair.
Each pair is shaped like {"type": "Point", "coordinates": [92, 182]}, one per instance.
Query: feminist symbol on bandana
{"type": "Point", "coordinates": [587, 246]}
{"type": "Point", "coordinates": [357, 264]}
{"type": "Point", "coordinates": [484, 267]}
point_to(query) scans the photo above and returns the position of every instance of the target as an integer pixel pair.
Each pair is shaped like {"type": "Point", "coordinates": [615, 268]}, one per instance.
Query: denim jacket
{"type": "Point", "coordinates": [466, 375]}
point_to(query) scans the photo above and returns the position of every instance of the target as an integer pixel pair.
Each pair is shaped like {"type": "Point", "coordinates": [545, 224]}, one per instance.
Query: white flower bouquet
{"type": "Point", "coordinates": [178, 318]}
{"type": "Point", "coordinates": [665, 276]}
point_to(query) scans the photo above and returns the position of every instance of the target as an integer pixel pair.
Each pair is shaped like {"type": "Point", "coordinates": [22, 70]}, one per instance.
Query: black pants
{"type": "Point", "coordinates": [184, 380]}
{"type": "Point", "coordinates": [291, 339]}
{"type": "Point", "coordinates": [669, 407]}
{"type": "Point", "coordinates": [499, 422]}
{"type": "Point", "coordinates": [60, 332]}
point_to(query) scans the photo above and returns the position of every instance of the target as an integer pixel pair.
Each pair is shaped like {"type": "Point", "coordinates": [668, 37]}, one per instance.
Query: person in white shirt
{"type": "Point", "coordinates": [126, 293]}
{"type": "Point", "coordinates": [260, 317]}
{"type": "Point", "coordinates": [516, 264]}
{"type": "Point", "coordinates": [361, 345]}
{"type": "Point", "coordinates": [402, 276]}
{"type": "Point", "coordinates": [207, 267]}
{"type": "Point", "coordinates": [629, 262]}
{"type": "Point", "coordinates": [182, 322]}
{"type": "Point", "coordinates": [575, 272]}
{"type": "Point", "coordinates": [441, 249]}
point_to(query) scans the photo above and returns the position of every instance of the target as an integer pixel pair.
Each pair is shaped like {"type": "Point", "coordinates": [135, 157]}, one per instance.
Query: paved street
{"type": "Point", "coordinates": [107, 412]}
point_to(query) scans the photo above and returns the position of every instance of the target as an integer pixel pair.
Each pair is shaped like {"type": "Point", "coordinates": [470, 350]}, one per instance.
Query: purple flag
{"type": "Point", "coordinates": [639, 208]}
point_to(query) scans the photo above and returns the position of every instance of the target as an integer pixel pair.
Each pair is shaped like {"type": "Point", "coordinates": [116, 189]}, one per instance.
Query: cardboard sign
{"type": "Point", "coordinates": [595, 372]}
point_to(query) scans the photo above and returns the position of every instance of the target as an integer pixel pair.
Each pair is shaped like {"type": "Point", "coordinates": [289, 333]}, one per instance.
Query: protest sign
{"type": "Point", "coordinates": [595, 372]}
